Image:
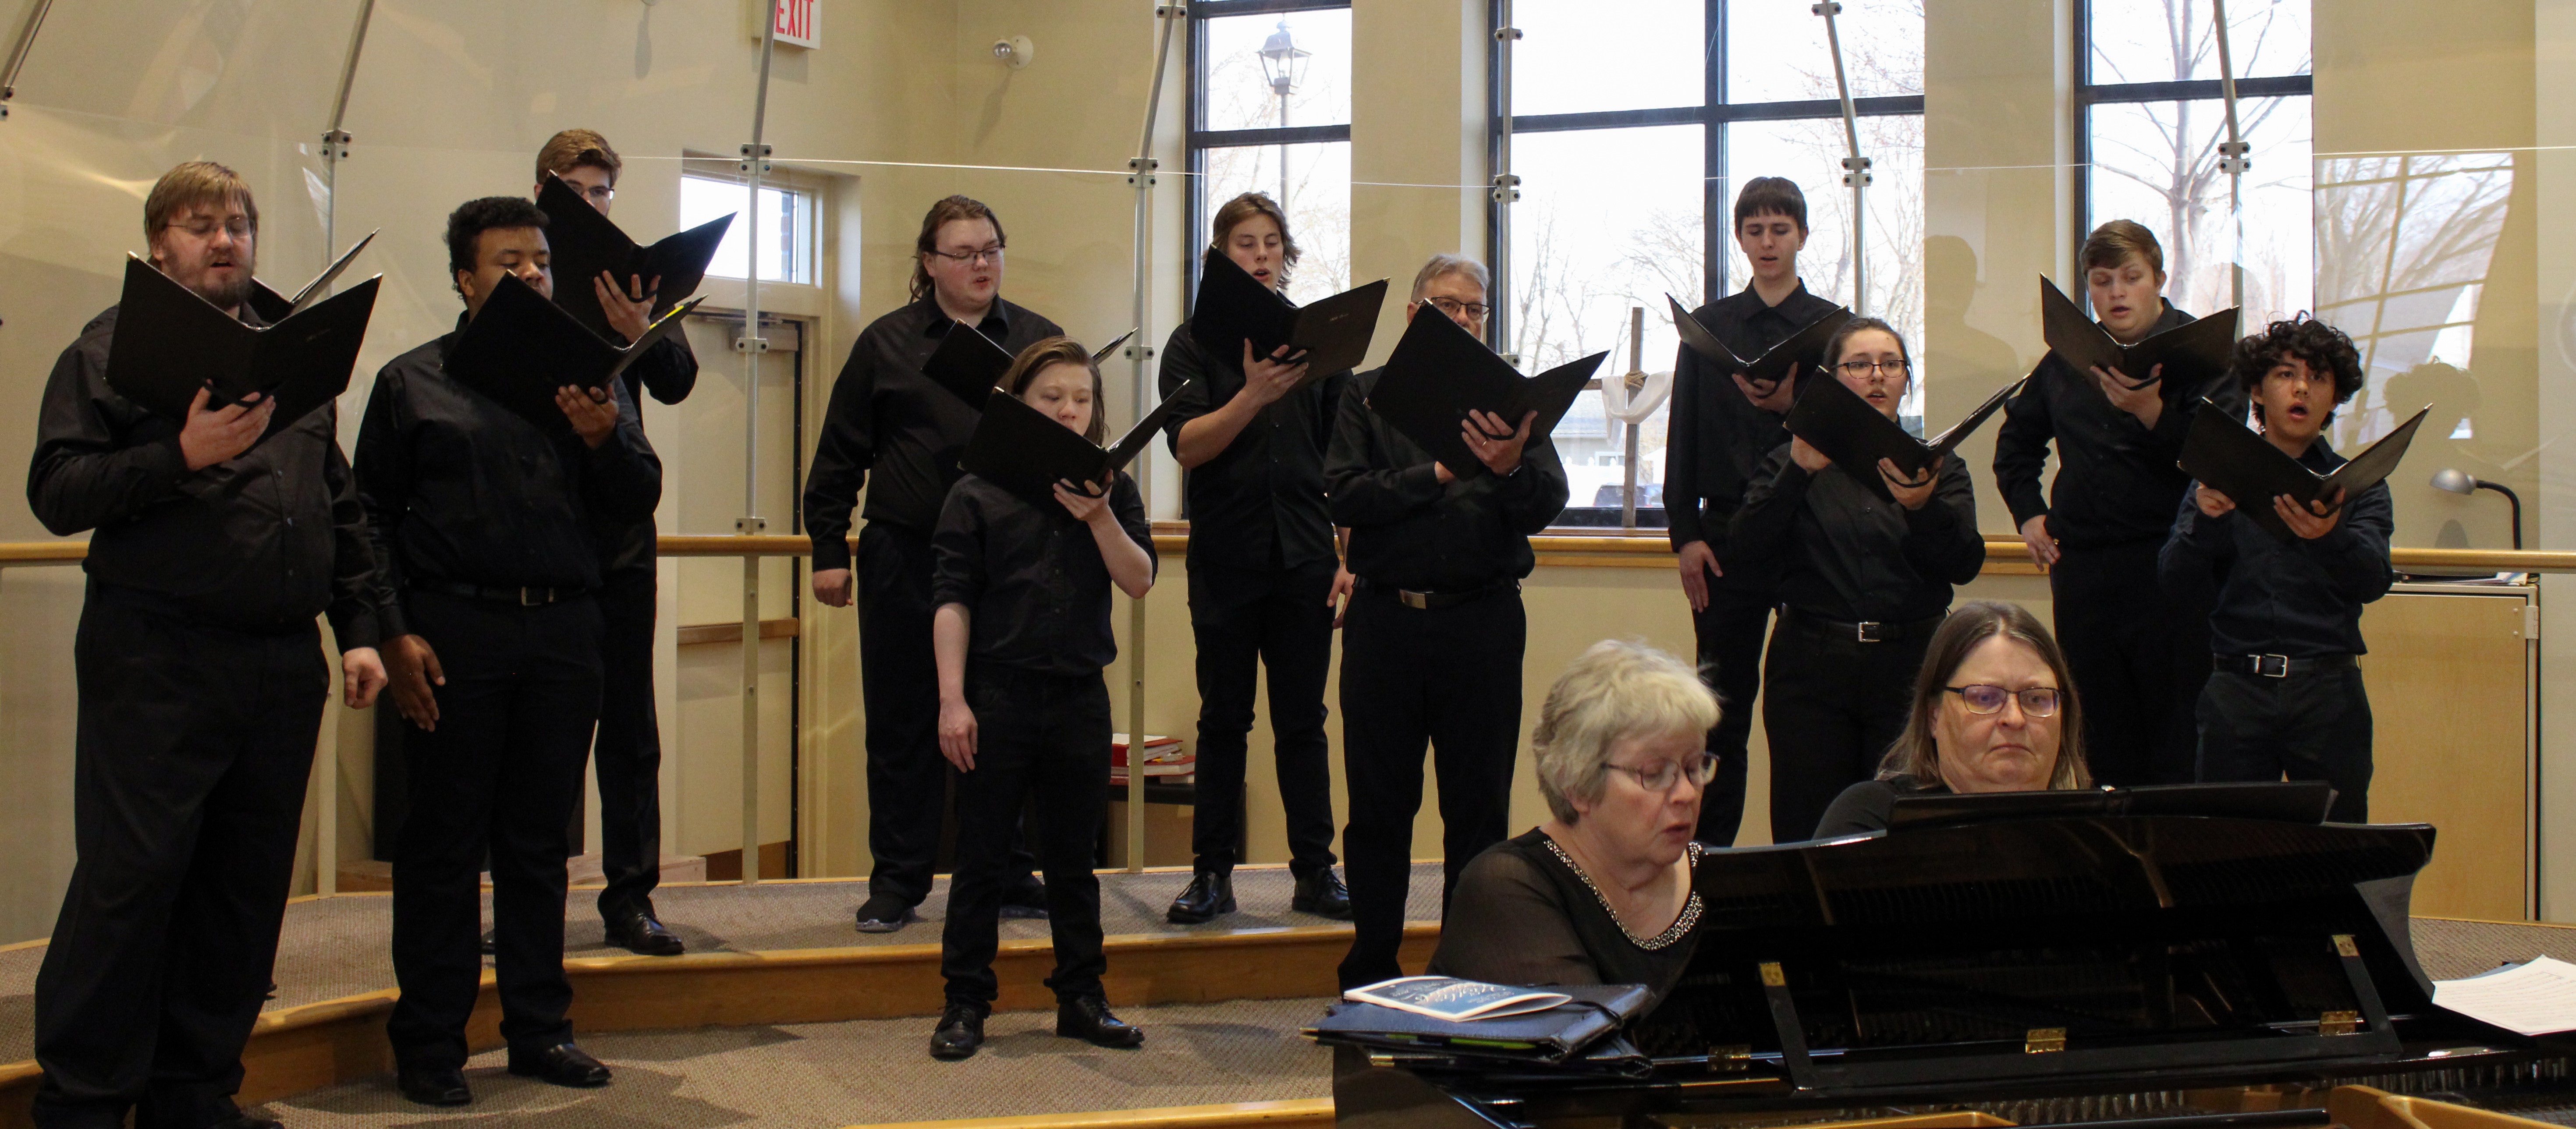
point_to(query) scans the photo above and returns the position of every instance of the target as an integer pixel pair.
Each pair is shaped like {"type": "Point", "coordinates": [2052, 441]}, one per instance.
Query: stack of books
{"type": "Point", "coordinates": [1167, 761]}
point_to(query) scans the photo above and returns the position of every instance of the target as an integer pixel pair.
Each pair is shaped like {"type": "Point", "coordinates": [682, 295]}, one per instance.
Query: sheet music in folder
{"type": "Point", "coordinates": [2536, 998]}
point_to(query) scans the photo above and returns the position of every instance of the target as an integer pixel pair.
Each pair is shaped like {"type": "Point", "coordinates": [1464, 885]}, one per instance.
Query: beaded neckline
{"type": "Point", "coordinates": [1681, 925]}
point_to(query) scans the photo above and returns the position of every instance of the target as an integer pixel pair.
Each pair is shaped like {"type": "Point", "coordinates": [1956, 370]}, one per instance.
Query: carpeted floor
{"type": "Point", "coordinates": [827, 1075]}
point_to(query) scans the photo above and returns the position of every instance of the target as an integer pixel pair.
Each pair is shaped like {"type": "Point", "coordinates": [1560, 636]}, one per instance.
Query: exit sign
{"type": "Point", "coordinates": [797, 21]}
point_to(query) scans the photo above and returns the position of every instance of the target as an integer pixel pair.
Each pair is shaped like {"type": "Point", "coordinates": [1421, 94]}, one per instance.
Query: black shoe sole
{"type": "Point", "coordinates": [443, 1099]}
{"type": "Point", "coordinates": [541, 1076]}
{"type": "Point", "coordinates": [1132, 1039]}
{"type": "Point", "coordinates": [675, 947]}
{"type": "Point", "coordinates": [880, 925]}
{"type": "Point", "coordinates": [954, 1054]}
{"type": "Point", "coordinates": [1177, 916]}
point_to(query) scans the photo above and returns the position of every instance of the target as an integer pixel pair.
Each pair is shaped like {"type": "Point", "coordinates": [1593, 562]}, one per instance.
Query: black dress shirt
{"type": "Point", "coordinates": [669, 370]}
{"type": "Point", "coordinates": [461, 490]}
{"type": "Point", "coordinates": [1843, 554]}
{"type": "Point", "coordinates": [1409, 530]}
{"type": "Point", "coordinates": [2300, 599]}
{"type": "Point", "coordinates": [2116, 479]}
{"type": "Point", "coordinates": [887, 417]}
{"type": "Point", "coordinates": [1031, 577]}
{"type": "Point", "coordinates": [1259, 504]}
{"type": "Point", "coordinates": [262, 542]}
{"type": "Point", "coordinates": [1716, 437]}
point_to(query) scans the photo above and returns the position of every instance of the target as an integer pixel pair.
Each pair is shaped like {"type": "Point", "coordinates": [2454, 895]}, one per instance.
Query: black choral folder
{"type": "Point", "coordinates": [1800, 350]}
{"type": "Point", "coordinates": [2230, 458]}
{"type": "Point", "coordinates": [1439, 372]}
{"type": "Point", "coordinates": [170, 343]}
{"type": "Point", "coordinates": [275, 307]}
{"type": "Point", "coordinates": [1835, 421]}
{"type": "Point", "coordinates": [520, 347]}
{"type": "Point", "coordinates": [2193, 353]}
{"type": "Point", "coordinates": [585, 243]}
{"type": "Point", "coordinates": [1025, 451]}
{"type": "Point", "coordinates": [1330, 336]}
{"type": "Point", "coordinates": [970, 365]}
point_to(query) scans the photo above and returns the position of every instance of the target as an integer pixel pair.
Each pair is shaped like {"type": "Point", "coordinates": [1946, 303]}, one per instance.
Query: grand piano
{"type": "Point", "coordinates": [2033, 965]}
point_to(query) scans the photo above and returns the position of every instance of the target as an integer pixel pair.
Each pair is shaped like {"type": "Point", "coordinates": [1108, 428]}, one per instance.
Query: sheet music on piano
{"type": "Point", "coordinates": [2535, 998]}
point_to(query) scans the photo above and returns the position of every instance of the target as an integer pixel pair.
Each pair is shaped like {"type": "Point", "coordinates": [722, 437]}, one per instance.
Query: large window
{"type": "Point", "coordinates": [1270, 111]}
{"type": "Point", "coordinates": [2152, 128]}
{"type": "Point", "coordinates": [1630, 136]}
{"type": "Point", "coordinates": [785, 222]}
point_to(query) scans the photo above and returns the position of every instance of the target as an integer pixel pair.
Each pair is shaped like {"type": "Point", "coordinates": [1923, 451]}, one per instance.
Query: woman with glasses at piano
{"type": "Point", "coordinates": [1994, 711]}
{"type": "Point", "coordinates": [1601, 892]}
{"type": "Point", "coordinates": [1866, 572]}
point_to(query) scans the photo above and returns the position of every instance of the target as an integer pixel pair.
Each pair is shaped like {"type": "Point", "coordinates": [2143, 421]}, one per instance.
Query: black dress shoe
{"type": "Point", "coordinates": [562, 1064]}
{"type": "Point", "coordinates": [433, 1085]}
{"type": "Point", "coordinates": [884, 913]}
{"type": "Point", "coordinates": [248, 1121]}
{"type": "Point", "coordinates": [1087, 1018]}
{"type": "Point", "coordinates": [960, 1032]}
{"type": "Point", "coordinates": [1322, 893]}
{"type": "Point", "coordinates": [1025, 903]}
{"type": "Point", "coordinates": [1208, 895]}
{"type": "Point", "coordinates": [641, 934]}
{"type": "Point", "coordinates": [487, 942]}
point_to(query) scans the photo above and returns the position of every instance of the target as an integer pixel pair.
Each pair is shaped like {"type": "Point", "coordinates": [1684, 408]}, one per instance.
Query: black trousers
{"type": "Point", "coordinates": [1036, 735]}
{"type": "Point", "coordinates": [1831, 706]}
{"type": "Point", "coordinates": [2308, 726]}
{"type": "Point", "coordinates": [1247, 620]}
{"type": "Point", "coordinates": [629, 747]}
{"type": "Point", "coordinates": [2137, 656]}
{"type": "Point", "coordinates": [1730, 660]}
{"type": "Point", "coordinates": [899, 678]}
{"type": "Point", "coordinates": [1450, 677]}
{"type": "Point", "coordinates": [192, 748]}
{"type": "Point", "coordinates": [503, 766]}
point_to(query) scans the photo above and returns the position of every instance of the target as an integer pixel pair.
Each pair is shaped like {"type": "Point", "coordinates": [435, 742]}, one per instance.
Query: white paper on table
{"type": "Point", "coordinates": [2534, 999]}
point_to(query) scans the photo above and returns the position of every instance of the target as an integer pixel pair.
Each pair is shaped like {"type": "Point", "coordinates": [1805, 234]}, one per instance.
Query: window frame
{"type": "Point", "coordinates": [809, 220]}
{"type": "Point", "coordinates": [1714, 114]}
{"type": "Point", "coordinates": [1200, 139]}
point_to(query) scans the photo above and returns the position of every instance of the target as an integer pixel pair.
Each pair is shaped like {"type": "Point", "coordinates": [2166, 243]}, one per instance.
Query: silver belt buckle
{"type": "Point", "coordinates": [1419, 601]}
{"type": "Point", "coordinates": [1866, 631]}
{"type": "Point", "coordinates": [528, 597]}
{"type": "Point", "coordinates": [2272, 666]}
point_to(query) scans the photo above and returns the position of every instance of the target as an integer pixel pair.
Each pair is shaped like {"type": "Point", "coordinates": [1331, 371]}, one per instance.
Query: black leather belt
{"type": "Point", "coordinates": [524, 597]}
{"type": "Point", "coordinates": [2279, 666]}
{"type": "Point", "coordinates": [1866, 631]}
{"type": "Point", "coordinates": [1428, 601]}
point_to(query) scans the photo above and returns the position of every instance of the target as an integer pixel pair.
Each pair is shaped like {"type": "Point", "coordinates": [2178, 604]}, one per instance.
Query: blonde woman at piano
{"type": "Point", "coordinates": [1994, 711]}
{"type": "Point", "coordinates": [1601, 892]}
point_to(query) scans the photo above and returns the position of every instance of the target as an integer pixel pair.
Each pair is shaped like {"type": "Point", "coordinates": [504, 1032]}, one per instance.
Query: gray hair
{"type": "Point", "coordinates": [1444, 265]}
{"type": "Point", "coordinates": [1613, 690]}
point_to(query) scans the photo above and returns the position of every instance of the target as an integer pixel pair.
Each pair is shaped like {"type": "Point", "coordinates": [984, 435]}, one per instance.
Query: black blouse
{"type": "Point", "coordinates": [1523, 913]}
{"type": "Point", "coordinates": [1844, 554]}
{"type": "Point", "coordinates": [1864, 807]}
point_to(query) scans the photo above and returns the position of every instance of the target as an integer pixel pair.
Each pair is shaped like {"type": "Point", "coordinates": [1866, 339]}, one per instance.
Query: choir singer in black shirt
{"type": "Point", "coordinates": [2139, 652]}
{"type": "Point", "coordinates": [1722, 425]}
{"type": "Point", "coordinates": [888, 420]}
{"type": "Point", "coordinates": [201, 684]}
{"type": "Point", "coordinates": [1022, 633]}
{"type": "Point", "coordinates": [1864, 581]}
{"type": "Point", "coordinates": [1432, 640]}
{"type": "Point", "coordinates": [482, 521]}
{"type": "Point", "coordinates": [1265, 578]}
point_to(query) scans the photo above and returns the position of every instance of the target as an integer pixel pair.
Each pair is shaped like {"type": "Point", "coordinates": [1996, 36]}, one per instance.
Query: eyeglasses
{"type": "Point", "coordinates": [1660, 776]}
{"type": "Point", "coordinates": [972, 258]}
{"type": "Point", "coordinates": [238, 227]}
{"type": "Point", "coordinates": [2038, 701]}
{"type": "Point", "coordinates": [1475, 311]}
{"type": "Point", "coordinates": [596, 194]}
{"type": "Point", "coordinates": [1865, 370]}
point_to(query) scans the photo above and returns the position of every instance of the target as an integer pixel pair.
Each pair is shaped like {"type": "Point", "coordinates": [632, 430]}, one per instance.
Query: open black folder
{"type": "Point", "coordinates": [2230, 458]}
{"type": "Point", "coordinates": [970, 365]}
{"type": "Point", "coordinates": [1233, 307]}
{"type": "Point", "coordinates": [2192, 353]}
{"type": "Point", "coordinates": [1834, 420]}
{"type": "Point", "coordinates": [274, 307]}
{"type": "Point", "coordinates": [584, 243]}
{"type": "Point", "coordinates": [1539, 1038]}
{"type": "Point", "coordinates": [170, 343]}
{"type": "Point", "coordinates": [1025, 451]}
{"type": "Point", "coordinates": [1798, 352]}
{"type": "Point", "coordinates": [520, 348]}
{"type": "Point", "coordinates": [1439, 372]}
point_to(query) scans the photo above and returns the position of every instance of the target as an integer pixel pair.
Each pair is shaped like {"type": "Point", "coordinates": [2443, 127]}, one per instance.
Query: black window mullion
{"type": "Point", "coordinates": [1282, 135]}
{"type": "Point", "coordinates": [1717, 225]}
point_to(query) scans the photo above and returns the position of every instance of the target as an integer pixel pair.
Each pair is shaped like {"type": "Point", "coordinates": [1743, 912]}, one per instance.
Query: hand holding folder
{"type": "Point", "coordinates": [1799, 352]}
{"type": "Point", "coordinates": [1440, 374]}
{"type": "Point", "coordinates": [1330, 336]}
{"type": "Point", "coordinates": [2230, 458]}
{"type": "Point", "coordinates": [1026, 452]}
{"type": "Point", "coordinates": [585, 244]}
{"type": "Point", "coordinates": [520, 349]}
{"type": "Point", "coordinates": [2188, 355]}
{"type": "Point", "coordinates": [1843, 427]}
{"type": "Point", "coordinates": [170, 343]}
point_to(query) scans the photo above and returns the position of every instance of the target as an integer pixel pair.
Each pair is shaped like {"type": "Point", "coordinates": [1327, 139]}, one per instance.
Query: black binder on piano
{"type": "Point", "coordinates": [2093, 959]}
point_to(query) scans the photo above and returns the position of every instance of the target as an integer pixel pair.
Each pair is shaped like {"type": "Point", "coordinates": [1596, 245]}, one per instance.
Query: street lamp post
{"type": "Point", "coordinates": [1283, 63]}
